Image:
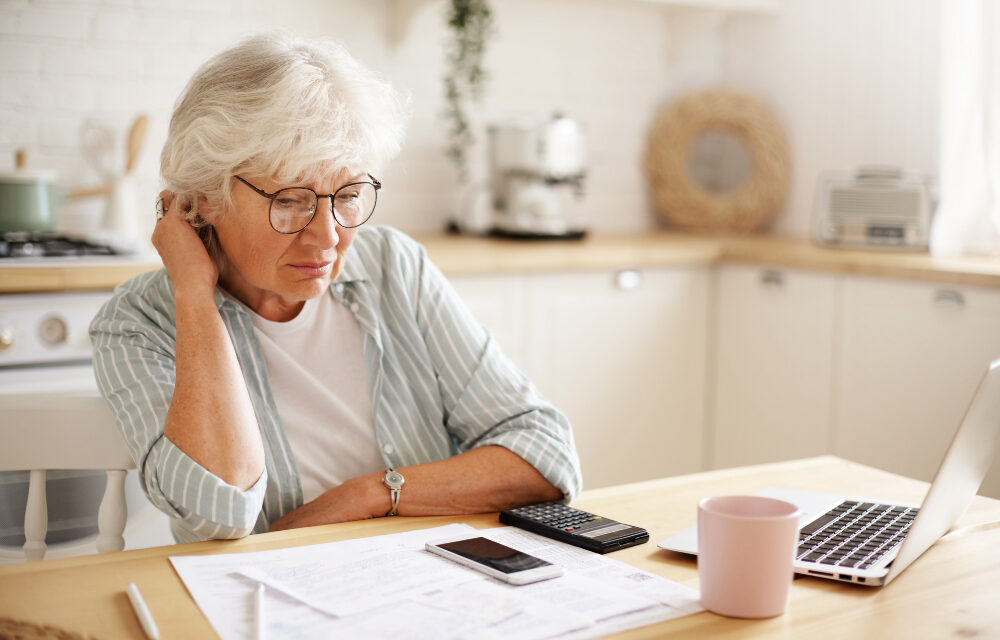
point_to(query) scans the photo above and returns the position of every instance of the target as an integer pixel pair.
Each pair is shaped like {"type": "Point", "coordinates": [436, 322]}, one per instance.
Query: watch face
{"type": "Point", "coordinates": [393, 478]}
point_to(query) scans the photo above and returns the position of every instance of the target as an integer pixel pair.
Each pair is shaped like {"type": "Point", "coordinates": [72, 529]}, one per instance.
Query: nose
{"type": "Point", "coordinates": [322, 229]}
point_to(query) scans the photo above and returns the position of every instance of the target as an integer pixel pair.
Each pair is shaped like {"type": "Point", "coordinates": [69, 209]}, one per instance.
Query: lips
{"type": "Point", "coordinates": [313, 269]}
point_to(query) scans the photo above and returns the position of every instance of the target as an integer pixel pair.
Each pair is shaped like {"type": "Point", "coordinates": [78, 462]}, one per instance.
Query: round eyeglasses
{"type": "Point", "coordinates": [292, 209]}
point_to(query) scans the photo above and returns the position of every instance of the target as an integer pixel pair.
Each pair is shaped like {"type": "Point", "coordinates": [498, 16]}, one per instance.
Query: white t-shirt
{"type": "Point", "coordinates": [317, 370]}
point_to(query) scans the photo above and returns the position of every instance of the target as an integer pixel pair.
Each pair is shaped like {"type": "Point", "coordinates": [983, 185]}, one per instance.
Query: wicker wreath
{"type": "Point", "coordinates": [18, 630]}
{"type": "Point", "coordinates": [682, 201]}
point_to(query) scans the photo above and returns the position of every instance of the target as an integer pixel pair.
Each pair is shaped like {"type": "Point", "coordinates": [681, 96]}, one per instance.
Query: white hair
{"type": "Point", "coordinates": [278, 106]}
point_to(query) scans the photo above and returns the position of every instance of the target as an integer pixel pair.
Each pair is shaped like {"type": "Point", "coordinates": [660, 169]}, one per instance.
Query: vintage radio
{"type": "Point", "coordinates": [873, 207]}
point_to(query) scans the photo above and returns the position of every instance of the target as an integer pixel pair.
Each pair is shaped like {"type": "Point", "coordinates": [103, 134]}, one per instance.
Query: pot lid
{"type": "Point", "coordinates": [28, 175]}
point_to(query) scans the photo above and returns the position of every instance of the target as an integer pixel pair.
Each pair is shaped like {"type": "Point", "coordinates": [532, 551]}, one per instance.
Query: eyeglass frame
{"type": "Point", "coordinates": [333, 209]}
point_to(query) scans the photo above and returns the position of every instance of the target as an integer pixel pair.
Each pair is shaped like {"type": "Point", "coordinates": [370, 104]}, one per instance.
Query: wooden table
{"type": "Point", "coordinates": [952, 591]}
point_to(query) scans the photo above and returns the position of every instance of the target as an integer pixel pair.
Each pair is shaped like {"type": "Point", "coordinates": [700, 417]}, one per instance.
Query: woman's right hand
{"type": "Point", "coordinates": [184, 255]}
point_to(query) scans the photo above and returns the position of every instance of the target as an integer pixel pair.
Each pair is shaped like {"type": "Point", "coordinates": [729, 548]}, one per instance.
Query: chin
{"type": "Point", "coordinates": [313, 288]}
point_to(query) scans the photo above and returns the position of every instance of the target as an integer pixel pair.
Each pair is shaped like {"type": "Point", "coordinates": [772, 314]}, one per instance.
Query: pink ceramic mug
{"type": "Point", "coordinates": [746, 547]}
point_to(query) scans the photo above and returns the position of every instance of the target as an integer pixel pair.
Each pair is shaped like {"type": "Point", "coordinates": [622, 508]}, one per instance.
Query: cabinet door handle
{"type": "Point", "coordinates": [6, 337]}
{"type": "Point", "coordinates": [628, 279]}
{"type": "Point", "coordinates": [772, 279]}
{"type": "Point", "coordinates": [949, 299]}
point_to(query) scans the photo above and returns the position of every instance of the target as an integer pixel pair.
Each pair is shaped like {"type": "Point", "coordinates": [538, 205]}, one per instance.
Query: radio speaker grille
{"type": "Point", "coordinates": [879, 202]}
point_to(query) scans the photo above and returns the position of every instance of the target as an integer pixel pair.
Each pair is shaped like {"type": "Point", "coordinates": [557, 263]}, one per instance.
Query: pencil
{"type": "Point", "coordinates": [258, 608]}
{"type": "Point", "coordinates": [142, 611]}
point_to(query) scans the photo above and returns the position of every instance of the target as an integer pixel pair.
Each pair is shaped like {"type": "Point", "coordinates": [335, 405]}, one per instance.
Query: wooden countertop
{"type": "Point", "coordinates": [467, 255]}
{"type": "Point", "coordinates": [475, 255]}
{"type": "Point", "coordinates": [950, 591]}
{"type": "Point", "coordinates": [70, 275]}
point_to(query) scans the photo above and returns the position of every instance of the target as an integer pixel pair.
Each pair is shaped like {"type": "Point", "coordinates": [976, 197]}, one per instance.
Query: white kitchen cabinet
{"type": "Point", "coordinates": [623, 354]}
{"type": "Point", "coordinates": [798, 363]}
{"type": "Point", "coordinates": [772, 365]}
{"type": "Point", "coordinates": [497, 301]}
{"type": "Point", "coordinates": [910, 358]}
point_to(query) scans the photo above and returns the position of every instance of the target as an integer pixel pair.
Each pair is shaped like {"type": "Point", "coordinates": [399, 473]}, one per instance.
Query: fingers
{"type": "Point", "coordinates": [168, 204]}
{"type": "Point", "coordinates": [166, 208]}
{"type": "Point", "coordinates": [163, 203]}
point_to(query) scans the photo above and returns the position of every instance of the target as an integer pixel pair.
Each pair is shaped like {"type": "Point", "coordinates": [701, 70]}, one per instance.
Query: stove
{"type": "Point", "coordinates": [40, 330]}
{"type": "Point", "coordinates": [24, 244]}
{"type": "Point", "coordinates": [45, 349]}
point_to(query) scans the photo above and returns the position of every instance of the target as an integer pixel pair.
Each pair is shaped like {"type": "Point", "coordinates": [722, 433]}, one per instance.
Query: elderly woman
{"type": "Point", "coordinates": [289, 367]}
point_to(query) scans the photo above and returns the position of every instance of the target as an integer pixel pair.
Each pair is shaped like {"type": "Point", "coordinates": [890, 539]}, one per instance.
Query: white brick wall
{"type": "Point", "coordinates": [854, 81]}
{"type": "Point", "coordinates": [610, 63]}
{"type": "Point", "coordinates": [65, 62]}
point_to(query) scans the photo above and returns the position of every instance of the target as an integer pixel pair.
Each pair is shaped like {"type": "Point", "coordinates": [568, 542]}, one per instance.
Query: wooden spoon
{"type": "Point", "coordinates": [136, 138]}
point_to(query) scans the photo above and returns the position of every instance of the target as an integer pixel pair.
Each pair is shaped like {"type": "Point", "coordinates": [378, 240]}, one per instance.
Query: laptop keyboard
{"type": "Point", "coordinates": [854, 534]}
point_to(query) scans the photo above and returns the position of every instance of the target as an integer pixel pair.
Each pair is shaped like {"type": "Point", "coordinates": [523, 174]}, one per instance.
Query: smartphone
{"type": "Point", "coordinates": [496, 560]}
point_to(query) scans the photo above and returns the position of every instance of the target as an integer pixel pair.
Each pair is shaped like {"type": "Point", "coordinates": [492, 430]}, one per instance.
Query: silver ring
{"type": "Point", "coordinates": [160, 209]}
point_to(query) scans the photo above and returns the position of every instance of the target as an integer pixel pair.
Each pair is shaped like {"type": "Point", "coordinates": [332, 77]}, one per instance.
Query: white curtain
{"type": "Point", "coordinates": [968, 215]}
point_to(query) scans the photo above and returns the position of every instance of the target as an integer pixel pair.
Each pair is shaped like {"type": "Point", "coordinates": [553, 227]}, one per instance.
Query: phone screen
{"type": "Point", "coordinates": [494, 555]}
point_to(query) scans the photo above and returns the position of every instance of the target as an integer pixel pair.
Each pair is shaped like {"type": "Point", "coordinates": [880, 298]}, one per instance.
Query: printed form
{"type": "Point", "coordinates": [389, 585]}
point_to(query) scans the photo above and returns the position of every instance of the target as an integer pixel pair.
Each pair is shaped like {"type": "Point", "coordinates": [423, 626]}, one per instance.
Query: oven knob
{"type": "Point", "coordinates": [53, 331]}
{"type": "Point", "coordinates": [6, 338]}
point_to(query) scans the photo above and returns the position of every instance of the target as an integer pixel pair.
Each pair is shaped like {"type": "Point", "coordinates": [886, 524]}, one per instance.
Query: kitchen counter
{"type": "Point", "coordinates": [71, 274]}
{"type": "Point", "coordinates": [465, 255]}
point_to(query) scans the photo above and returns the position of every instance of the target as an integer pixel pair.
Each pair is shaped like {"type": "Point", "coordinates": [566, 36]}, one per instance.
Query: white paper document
{"type": "Point", "coordinates": [389, 586]}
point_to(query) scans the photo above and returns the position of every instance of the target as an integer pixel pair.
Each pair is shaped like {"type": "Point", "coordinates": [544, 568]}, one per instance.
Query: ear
{"type": "Point", "coordinates": [203, 211]}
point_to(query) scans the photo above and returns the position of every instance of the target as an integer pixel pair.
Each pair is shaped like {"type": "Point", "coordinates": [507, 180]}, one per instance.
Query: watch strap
{"type": "Point", "coordinates": [394, 496]}
{"type": "Point", "coordinates": [394, 481]}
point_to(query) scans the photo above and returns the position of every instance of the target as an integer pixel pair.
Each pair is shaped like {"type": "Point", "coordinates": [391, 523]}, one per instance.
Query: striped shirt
{"type": "Point", "coordinates": [439, 383]}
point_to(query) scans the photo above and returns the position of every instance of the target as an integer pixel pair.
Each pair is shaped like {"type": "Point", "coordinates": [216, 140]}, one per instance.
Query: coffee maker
{"type": "Point", "coordinates": [537, 178]}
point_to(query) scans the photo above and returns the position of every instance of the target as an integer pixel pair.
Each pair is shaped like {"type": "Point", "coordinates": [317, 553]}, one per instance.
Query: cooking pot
{"type": "Point", "coordinates": [28, 200]}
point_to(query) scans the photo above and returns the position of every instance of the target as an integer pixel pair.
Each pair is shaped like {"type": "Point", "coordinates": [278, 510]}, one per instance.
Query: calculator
{"type": "Point", "coordinates": [574, 526]}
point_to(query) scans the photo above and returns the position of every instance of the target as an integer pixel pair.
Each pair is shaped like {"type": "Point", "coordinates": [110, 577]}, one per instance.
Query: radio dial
{"type": "Point", "coordinates": [53, 331]}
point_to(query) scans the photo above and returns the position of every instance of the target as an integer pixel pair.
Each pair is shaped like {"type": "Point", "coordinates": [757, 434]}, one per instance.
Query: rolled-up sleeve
{"type": "Point", "coordinates": [487, 399]}
{"type": "Point", "coordinates": [134, 365]}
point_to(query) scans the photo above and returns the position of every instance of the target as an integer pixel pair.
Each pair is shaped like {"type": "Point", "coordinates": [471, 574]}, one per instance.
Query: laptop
{"type": "Point", "coordinates": [870, 542]}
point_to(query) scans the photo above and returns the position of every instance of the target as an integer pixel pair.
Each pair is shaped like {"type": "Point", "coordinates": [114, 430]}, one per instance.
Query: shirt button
{"type": "Point", "coordinates": [354, 307]}
{"type": "Point", "coordinates": [388, 448]}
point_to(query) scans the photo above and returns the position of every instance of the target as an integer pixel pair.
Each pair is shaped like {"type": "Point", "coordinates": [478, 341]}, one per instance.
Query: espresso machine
{"type": "Point", "coordinates": [537, 178]}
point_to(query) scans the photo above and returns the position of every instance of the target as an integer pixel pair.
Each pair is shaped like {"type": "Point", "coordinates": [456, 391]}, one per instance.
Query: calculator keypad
{"type": "Point", "coordinates": [557, 515]}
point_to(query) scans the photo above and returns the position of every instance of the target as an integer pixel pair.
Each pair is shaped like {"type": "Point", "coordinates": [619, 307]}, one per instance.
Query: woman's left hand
{"type": "Point", "coordinates": [352, 500]}
{"type": "Point", "coordinates": [484, 479]}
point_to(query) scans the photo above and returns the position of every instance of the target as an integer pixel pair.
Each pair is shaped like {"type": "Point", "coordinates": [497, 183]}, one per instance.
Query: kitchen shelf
{"type": "Point", "coordinates": [736, 6]}
{"type": "Point", "coordinates": [400, 12]}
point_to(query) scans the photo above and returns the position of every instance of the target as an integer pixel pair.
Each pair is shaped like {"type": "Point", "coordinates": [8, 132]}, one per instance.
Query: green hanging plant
{"type": "Point", "coordinates": [471, 24]}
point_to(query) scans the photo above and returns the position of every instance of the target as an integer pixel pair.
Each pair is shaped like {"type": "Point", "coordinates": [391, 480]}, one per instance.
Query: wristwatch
{"type": "Point", "coordinates": [394, 480]}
